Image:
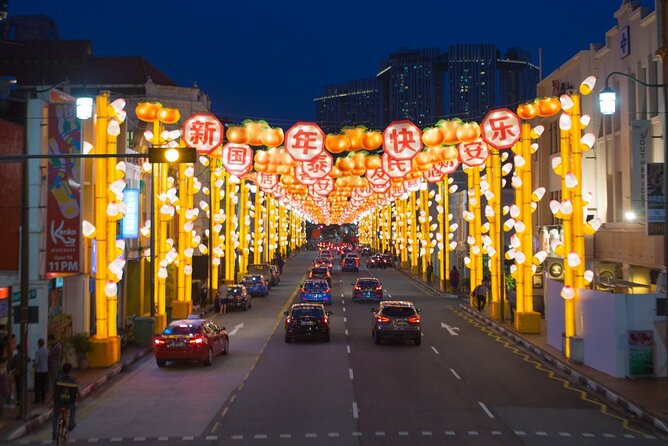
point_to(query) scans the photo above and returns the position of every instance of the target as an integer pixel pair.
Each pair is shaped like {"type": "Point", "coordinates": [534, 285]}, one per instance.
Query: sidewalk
{"type": "Point", "coordinates": [645, 399]}
{"type": "Point", "coordinates": [90, 380]}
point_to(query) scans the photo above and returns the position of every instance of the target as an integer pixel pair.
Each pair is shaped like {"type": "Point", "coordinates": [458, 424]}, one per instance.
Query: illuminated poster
{"type": "Point", "coordinates": [63, 231]}
{"type": "Point", "coordinates": [130, 221]}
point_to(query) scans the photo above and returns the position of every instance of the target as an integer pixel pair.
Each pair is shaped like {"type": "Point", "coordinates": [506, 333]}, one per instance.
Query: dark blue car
{"type": "Point", "coordinates": [316, 290]}
{"type": "Point", "coordinates": [255, 284]}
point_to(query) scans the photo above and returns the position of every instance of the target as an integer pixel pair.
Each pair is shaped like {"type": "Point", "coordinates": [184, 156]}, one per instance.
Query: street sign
{"type": "Point", "coordinates": [402, 140]}
{"type": "Point", "coordinates": [394, 168]}
{"type": "Point", "coordinates": [304, 141]}
{"type": "Point", "coordinates": [204, 132]}
{"type": "Point", "coordinates": [303, 177]}
{"type": "Point", "coordinates": [320, 166]}
{"type": "Point", "coordinates": [501, 128]}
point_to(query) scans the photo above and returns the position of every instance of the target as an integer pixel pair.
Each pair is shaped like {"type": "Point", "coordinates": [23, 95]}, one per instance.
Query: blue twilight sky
{"type": "Point", "coordinates": [269, 59]}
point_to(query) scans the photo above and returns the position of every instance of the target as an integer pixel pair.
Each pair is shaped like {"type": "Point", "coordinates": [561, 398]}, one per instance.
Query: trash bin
{"type": "Point", "coordinates": [143, 328]}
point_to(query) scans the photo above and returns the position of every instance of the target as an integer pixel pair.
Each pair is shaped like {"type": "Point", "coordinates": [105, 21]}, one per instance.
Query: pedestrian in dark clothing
{"type": "Point", "coordinates": [480, 295]}
{"type": "Point", "coordinates": [15, 370]}
{"type": "Point", "coordinates": [454, 279]}
{"type": "Point", "coordinates": [4, 386]}
{"type": "Point", "coordinates": [41, 366]}
{"type": "Point", "coordinates": [65, 395]}
{"type": "Point", "coordinates": [4, 342]}
{"type": "Point", "coordinates": [55, 359]}
{"type": "Point", "coordinates": [430, 272]}
{"type": "Point", "coordinates": [280, 265]}
{"type": "Point", "coordinates": [511, 295]}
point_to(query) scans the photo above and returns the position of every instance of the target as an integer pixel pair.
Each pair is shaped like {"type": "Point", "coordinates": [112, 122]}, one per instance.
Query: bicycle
{"type": "Point", "coordinates": [62, 431]}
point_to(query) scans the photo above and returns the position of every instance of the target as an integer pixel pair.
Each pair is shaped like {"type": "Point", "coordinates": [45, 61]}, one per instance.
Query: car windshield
{"type": "Point", "coordinates": [181, 329]}
{"type": "Point", "coordinates": [315, 286]}
{"type": "Point", "coordinates": [252, 279]}
{"type": "Point", "coordinates": [350, 260]}
{"type": "Point", "coordinates": [319, 271]}
{"type": "Point", "coordinates": [368, 283]}
{"type": "Point", "coordinates": [398, 311]}
{"type": "Point", "coordinates": [306, 312]}
{"type": "Point", "coordinates": [257, 268]}
{"type": "Point", "coordinates": [234, 291]}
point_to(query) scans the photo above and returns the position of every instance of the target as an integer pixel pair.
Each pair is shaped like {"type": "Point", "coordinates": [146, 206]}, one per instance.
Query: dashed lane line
{"type": "Point", "coordinates": [484, 408]}
{"type": "Point", "coordinates": [350, 374]}
{"type": "Point", "coordinates": [456, 374]}
{"type": "Point", "coordinates": [356, 412]}
{"type": "Point", "coordinates": [434, 349]}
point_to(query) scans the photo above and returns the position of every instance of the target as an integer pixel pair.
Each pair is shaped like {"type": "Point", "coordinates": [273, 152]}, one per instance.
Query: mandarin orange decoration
{"type": "Point", "coordinates": [237, 134]}
{"type": "Point", "coordinates": [527, 111]}
{"type": "Point", "coordinates": [432, 136]}
{"type": "Point", "coordinates": [254, 130]}
{"type": "Point", "coordinates": [449, 130]}
{"type": "Point", "coordinates": [468, 132]}
{"type": "Point", "coordinates": [337, 143]}
{"type": "Point", "coordinates": [169, 115]}
{"type": "Point", "coordinates": [354, 134]}
{"type": "Point", "coordinates": [148, 111]}
{"type": "Point", "coordinates": [272, 136]}
{"type": "Point", "coordinates": [548, 107]}
{"type": "Point", "coordinates": [372, 162]}
{"type": "Point", "coordinates": [371, 140]}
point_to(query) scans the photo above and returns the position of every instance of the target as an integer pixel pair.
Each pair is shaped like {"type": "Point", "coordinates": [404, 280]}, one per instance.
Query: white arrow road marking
{"type": "Point", "coordinates": [451, 330]}
{"type": "Point", "coordinates": [236, 329]}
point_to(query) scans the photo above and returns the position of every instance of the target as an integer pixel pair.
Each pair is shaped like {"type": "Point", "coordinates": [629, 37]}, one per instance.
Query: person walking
{"type": "Point", "coordinates": [430, 272]}
{"type": "Point", "coordinates": [223, 297]}
{"type": "Point", "coordinates": [511, 295]}
{"type": "Point", "coordinates": [55, 360]}
{"type": "Point", "coordinates": [41, 366]}
{"type": "Point", "coordinates": [480, 295]}
{"type": "Point", "coordinates": [454, 279]}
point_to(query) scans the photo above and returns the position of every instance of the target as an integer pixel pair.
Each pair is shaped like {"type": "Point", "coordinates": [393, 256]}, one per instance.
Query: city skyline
{"type": "Point", "coordinates": [286, 53]}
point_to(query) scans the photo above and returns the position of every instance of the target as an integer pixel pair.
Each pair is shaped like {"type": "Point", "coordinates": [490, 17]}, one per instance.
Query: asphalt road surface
{"type": "Point", "coordinates": [462, 385]}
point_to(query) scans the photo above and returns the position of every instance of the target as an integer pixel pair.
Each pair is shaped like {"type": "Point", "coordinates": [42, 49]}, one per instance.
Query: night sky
{"type": "Point", "coordinates": [269, 59]}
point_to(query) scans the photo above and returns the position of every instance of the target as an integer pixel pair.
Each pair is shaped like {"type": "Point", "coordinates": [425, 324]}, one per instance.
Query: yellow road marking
{"type": "Point", "coordinates": [603, 408]}
{"type": "Point", "coordinates": [285, 307]}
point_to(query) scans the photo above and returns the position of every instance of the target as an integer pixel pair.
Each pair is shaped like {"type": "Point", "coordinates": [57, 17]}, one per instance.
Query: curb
{"type": "Point", "coordinates": [437, 292]}
{"type": "Point", "coordinates": [577, 377]}
{"type": "Point", "coordinates": [46, 416]}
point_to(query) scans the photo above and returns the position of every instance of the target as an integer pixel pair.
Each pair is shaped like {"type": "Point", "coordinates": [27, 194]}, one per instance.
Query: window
{"type": "Point", "coordinates": [398, 311]}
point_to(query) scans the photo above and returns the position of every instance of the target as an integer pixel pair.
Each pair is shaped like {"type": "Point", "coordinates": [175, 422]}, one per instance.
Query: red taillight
{"type": "Point", "coordinates": [158, 341]}
{"type": "Point", "coordinates": [196, 340]}
{"type": "Point", "coordinates": [357, 287]}
{"type": "Point", "coordinates": [326, 290]}
{"type": "Point", "coordinates": [303, 290]}
{"type": "Point", "coordinates": [382, 319]}
{"type": "Point", "coordinates": [414, 319]}
{"type": "Point", "coordinates": [379, 288]}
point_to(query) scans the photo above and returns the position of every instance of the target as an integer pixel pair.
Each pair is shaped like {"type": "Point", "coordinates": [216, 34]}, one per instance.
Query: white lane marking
{"type": "Point", "coordinates": [343, 302]}
{"type": "Point", "coordinates": [333, 434]}
{"type": "Point", "coordinates": [487, 411]}
{"type": "Point", "coordinates": [236, 329]}
{"type": "Point", "coordinates": [311, 435]}
{"type": "Point", "coordinates": [350, 374]}
{"type": "Point", "coordinates": [285, 436]}
{"type": "Point", "coordinates": [520, 433]}
{"type": "Point", "coordinates": [139, 439]}
{"type": "Point", "coordinates": [564, 434]}
{"type": "Point", "coordinates": [496, 433]}
{"type": "Point", "coordinates": [348, 348]}
{"type": "Point", "coordinates": [260, 436]}
{"type": "Point", "coordinates": [212, 437]}
{"type": "Point", "coordinates": [237, 437]}
{"type": "Point", "coordinates": [380, 434]}
{"type": "Point", "coordinates": [609, 435]}
{"type": "Point", "coordinates": [451, 330]}
{"type": "Point", "coordinates": [188, 438]}
{"type": "Point", "coordinates": [456, 374]}
{"type": "Point", "coordinates": [346, 331]}
{"type": "Point", "coordinates": [541, 434]}
{"type": "Point", "coordinates": [588, 435]}
{"type": "Point", "coordinates": [629, 436]}
{"type": "Point", "coordinates": [357, 434]}
{"type": "Point", "coordinates": [473, 433]}
{"type": "Point", "coordinates": [345, 319]}
{"type": "Point", "coordinates": [450, 433]}
{"type": "Point", "coordinates": [403, 434]}
{"type": "Point", "coordinates": [344, 309]}
{"type": "Point", "coordinates": [426, 433]}
{"type": "Point", "coordinates": [435, 351]}
{"type": "Point", "coordinates": [356, 412]}
{"type": "Point", "coordinates": [163, 438]}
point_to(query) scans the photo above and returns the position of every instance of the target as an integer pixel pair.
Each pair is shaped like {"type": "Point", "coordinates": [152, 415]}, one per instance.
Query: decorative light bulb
{"type": "Point", "coordinates": [87, 229]}
{"type": "Point", "coordinates": [573, 259]}
{"type": "Point", "coordinates": [520, 227]}
{"type": "Point", "coordinates": [588, 140]}
{"type": "Point", "coordinates": [520, 258]}
{"type": "Point", "coordinates": [555, 207]}
{"type": "Point", "coordinates": [588, 276]}
{"type": "Point", "coordinates": [87, 148]}
{"type": "Point", "coordinates": [519, 161]}
{"type": "Point", "coordinates": [113, 128]}
{"type": "Point", "coordinates": [566, 102]}
{"type": "Point", "coordinates": [556, 165]}
{"type": "Point", "coordinates": [538, 194]}
{"type": "Point", "coordinates": [567, 207]}
{"type": "Point", "coordinates": [565, 122]}
{"type": "Point", "coordinates": [587, 85]}
{"type": "Point", "coordinates": [584, 120]}
{"type": "Point", "coordinates": [539, 257]}
{"type": "Point", "coordinates": [567, 292]}
{"type": "Point", "coordinates": [538, 130]}
{"type": "Point", "coordinates": [110, 289]}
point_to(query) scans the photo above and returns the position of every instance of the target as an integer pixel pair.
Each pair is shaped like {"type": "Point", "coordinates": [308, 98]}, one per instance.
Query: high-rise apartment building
{"type": "Point", "coordinates": [350, 103]}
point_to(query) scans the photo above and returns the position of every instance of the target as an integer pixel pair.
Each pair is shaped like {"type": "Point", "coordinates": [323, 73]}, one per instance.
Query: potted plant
{"type": "Point", "coordinates": [81, 345]}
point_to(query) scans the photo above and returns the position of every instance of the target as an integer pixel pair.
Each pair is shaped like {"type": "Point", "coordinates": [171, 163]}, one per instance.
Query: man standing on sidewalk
{"type": "Point", "coordinates": [41, 365]}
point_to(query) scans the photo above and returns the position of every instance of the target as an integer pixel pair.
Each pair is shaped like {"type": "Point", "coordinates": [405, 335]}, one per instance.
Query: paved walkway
{"type": "Point", "coordinates": [646, 399]}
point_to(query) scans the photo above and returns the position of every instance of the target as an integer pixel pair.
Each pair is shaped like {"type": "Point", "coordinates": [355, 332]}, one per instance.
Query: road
{"type": "Point", "coordinates": [462, 385]}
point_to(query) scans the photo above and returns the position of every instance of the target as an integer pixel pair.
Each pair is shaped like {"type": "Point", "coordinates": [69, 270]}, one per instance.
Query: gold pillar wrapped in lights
{"type": "Point", "coordinates": [424, 241]}
{"type": "Point", "coordinates": [403, 223]}
{"type": "Point", "coordinates": [182, 305]}
{"type": "Point", "coordinates": [230, 228]}
{"type": "Point", "coordinates": [413, 228]}
{"type": "Point", "coordinates": [258, 227]}
{"type": "Point", "coordinates": [109, 185]}
{"type": "Point", "coordinates": [244, 226]}
{"type": "Point", "coordinates": [282, 231]}
{"type": "Point", "coordinates": [493, 214]}
{"type": "Point", "coordinates": [442, 238]}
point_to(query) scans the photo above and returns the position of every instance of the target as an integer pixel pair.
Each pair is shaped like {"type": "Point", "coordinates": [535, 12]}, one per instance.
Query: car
{"type": "Point", "coordinates": [322, 262]}
{"type": "Point", "coordinates": [238, 296]}
{"type": "Point", "coordinates": [321, 273]}
{"type": "Point", "coordinates": [372, 261]}
{"type": "Point", "coordinates": [367, 288]}
{"type": "Point", "coordinates": [264, 269]}
{"type": "Point", "coordinates": [350, 264]}
{"type": "Point", "coordinates": [366, 252]}
{"type": "Point", "coordinates": [190, 340]}
{"type": "Point", "coordinates": [396, 319]}
{"type": "Point", "coordinates": [307, 321]}
{"type": "Point", "coordinates": [386, 261]}
{"type": "Point", "coordinates": [316, 290]}
{"type": "Point", "coordinates": [325, 253]}
{"type": "Point", "coordinates": [256, 284]}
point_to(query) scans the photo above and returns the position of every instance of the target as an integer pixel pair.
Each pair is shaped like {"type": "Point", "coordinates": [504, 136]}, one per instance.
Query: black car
{"type": "Point", "coordinates": [239, 297]}
{"type": "Point", "coordinates": [307, 321]}
{"type": "Point", "coordinates": [350, 264]}
{"type": "Point", "coordinates": [367, 288]}
{"type": "Point", "coordinates": [321, 273]}
{"type": "Point", "coordinates": [372, 261]}
{"type": "Point", "coordinates": [396, 320]}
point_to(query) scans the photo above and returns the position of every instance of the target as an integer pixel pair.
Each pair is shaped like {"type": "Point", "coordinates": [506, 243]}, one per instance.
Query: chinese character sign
{"type": "Point", "coordinates": [402, 140]}
{"type": "Point", "coordinates": [473, 153]}
{"type": "Point", "coordinates": [501, 128]}
{"type": "Point", "coordinates": [377, 176]}
{"type": "Point", "coordinates": [304, 141]}
{"type": "Point", "coordinates": [434, 174]}
{"type": "Point", "coordinates": [320, 166]}
{"type": "Point", "coordinates": [393, 167]}
{"type": "Point", "coordinates": [303, 177]}
{"type": "Point", "coordinates": [266, 181]}
{"type": "Point", "coordinates": [204, 132]}
{"type": "Point", "coordinates": [237, 158]}
{"type": "Point", "coordinates": [448, 167]}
